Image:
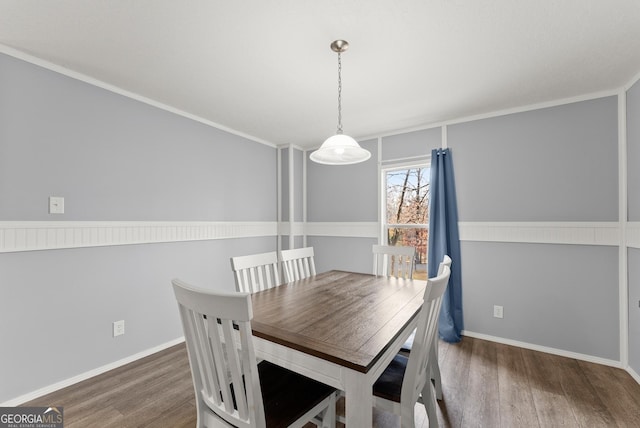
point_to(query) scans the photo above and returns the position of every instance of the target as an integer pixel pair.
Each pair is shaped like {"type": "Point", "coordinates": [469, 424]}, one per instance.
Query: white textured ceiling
{"type": "Point", "coordinates": [265, 69]}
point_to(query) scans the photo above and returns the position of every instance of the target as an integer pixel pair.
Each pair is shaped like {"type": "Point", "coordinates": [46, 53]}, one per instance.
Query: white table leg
{"type": "Point", "coordinates": [359, 400]}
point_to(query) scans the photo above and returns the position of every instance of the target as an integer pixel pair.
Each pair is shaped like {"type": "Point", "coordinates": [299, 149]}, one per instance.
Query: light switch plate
{"type": "Point", "coordinates": [56, 205]}
{"type": "Point", "coordinates": [498, 311]}
{"type": "Point", "coordinates": [118, 328]}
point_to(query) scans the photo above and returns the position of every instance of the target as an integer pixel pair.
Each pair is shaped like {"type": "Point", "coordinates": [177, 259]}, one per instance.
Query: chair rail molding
{"type": "Point", "coordinates": [343, 229]}
{"type": "Point", "coordinates": [295, 228]}
{"type": "Point", "coordinates": [16, 236]}
{"type": "Point", "coordinates": [633, 234]}
{"type": "Point", "coordinates": [578, 233]}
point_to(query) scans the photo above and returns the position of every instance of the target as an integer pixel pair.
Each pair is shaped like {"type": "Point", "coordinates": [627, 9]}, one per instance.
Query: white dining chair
{"type": "Point", "coordinates": [433, 361]}
{"type": "Point", "coordinates": [394, 260]}
{"type": "Point", "coordinates": [407, 380]}
{"type": "Point", "coordinates": [255, 272]}
{"type": "Point", "coordinates": [231, 388]}
{"type": "Point", "coordinates": [298, 263]}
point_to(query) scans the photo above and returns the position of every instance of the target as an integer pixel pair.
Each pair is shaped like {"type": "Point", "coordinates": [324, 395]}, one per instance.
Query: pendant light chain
{"type": "Point", "coordinates": [340, 149]}
{"type": "Point", "coordinates": [339, 95]}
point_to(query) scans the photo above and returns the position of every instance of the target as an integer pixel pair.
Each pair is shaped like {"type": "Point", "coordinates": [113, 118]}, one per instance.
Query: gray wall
{"type": "Point", "coordinates": [298, 184]}
{"type": "Point", "coordinates": [342, 253]}
{"type": "Point", "coordinates": [547, 165]}
{"type": "Point", "coordinates": [633, 152]}
{"type": "Point", "coordinates": [558, 296]}
{"type": "Point", "coordinates": [57, 306]}
{"type": "Point", "coordinates": [634, 308]}
{"type": "Point", "coordinates": [284, 184]}
{"type": "Point", "coordinates": [633, 185]}
{"type": "Point", "coordinates": [292, 197]}
{"type": "Point", "coordinates": [343, 194]}
{"type": "Point", "coordinates": [552, 164]}
{"type": "Point", "coordinates": [417, 144]}
{"type": "Point", "coordinates": [112, 158]}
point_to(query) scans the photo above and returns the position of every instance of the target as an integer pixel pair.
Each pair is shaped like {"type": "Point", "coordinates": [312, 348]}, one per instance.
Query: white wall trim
{"type": "Point", "coordinates": [579, 233]}
{"type": "Point", "coordinates": [345, 229]}
{"type": "Point", "coordinates": [575, 233]}
{"type": "Point", "coordinates": [632, 82]}
{"type": "Point", "coordinates": [89, 374]}
{"type": "Point", "coordinates": [498, 113]}
{"type": "Point", "coordinates": [444, 137]}
{"type": "Point", "coordinates": [292, 196]}
{"type": "Point", "coordinates": [633, 234]}
{"type": "Point", "coordinates": [554, 351]}
{"type": "Point", "coordinates": [304, 194]}
{"type": "Point", "coordinates": [279, 196]}
{"type": "Point", "coordinates": [381, 195]}
{"type": "Point", "coordinates": [289, 145]}
{"type": "Point", "coordinates": [399, 163]}
{"type": "Point", "coordinates": [623, 289]}
{"type": "Point", "coordinates": [633, 374]}
{"type": "Point", "coordinates": [112, 88]}
{"type": "Point", "coordinates": [18, 236]}
{"type": "Point", "coordinates": [286, 228]}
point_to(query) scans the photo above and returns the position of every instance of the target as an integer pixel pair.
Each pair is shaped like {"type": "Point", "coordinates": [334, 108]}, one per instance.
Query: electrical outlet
{"type": "Point", "coordinates": [497, 311]}
{"type": "Point", "coordinates": [56, 205]}
{"type": "Point", "coordinates": [118, 328]}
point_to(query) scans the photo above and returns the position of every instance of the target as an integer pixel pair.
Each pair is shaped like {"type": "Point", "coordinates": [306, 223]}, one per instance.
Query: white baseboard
{"type": "Point", "coordinates": [87, 375]}
{"type": "Point", "coordinates": [633, 374]}
{"type": "Point", "coordinates": [545, 349]}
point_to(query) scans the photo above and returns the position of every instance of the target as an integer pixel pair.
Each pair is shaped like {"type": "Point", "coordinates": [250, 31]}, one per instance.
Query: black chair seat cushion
{"type": "Point", "coordinates": [287, 395]}
{"type": "Point", "coordinates": [389, 384]}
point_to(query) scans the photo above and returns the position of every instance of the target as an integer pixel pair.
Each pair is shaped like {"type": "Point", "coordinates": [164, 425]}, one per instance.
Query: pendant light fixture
{"type": "Point", "coordinates": [340, 149]}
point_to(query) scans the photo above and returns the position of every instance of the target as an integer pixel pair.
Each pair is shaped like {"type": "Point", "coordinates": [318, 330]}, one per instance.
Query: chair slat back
{"type": "Point", "coordinates": [417, 374]}
{"type": "Point", "coordinates": [255, 272]}
{"type": "Point", "coordinates": [217, 329]}
{"type": "Point", "coordinates": [396, 261]}
{"type": "Point", "coordinates": [298, 263]}
{"type": "Point", "coordinates": [446, 261]}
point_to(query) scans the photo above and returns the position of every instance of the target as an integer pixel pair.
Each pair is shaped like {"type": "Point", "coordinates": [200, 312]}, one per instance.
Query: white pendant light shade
{"type": "Point", "coordinates": [340, 149]}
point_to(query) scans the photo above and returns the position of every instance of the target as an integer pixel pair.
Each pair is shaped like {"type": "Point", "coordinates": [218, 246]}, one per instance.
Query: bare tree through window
{"type": "Point", "coordinates": [407, 211]}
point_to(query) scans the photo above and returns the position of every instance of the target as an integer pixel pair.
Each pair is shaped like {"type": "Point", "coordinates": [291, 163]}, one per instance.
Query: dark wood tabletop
{"type": "Point", "coordinates": [343, 317]}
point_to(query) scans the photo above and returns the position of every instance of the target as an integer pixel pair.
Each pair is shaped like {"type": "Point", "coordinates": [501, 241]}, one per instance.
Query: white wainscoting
{"type": "Point", "coordinates": [579, 233]}
{"type": "Point", "coordinates": [18, 236]}
{"type": "Point", "coordinates": [343, 229]}
{"type": "Point", "coordinates": [40, 235]}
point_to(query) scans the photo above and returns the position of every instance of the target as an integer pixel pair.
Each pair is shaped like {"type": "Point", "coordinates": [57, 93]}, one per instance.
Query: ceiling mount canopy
{"type": "Point", "coordinates": [340, 149]}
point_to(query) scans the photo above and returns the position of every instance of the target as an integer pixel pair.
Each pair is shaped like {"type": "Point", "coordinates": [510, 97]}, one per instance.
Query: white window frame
{"type": "Point", "coordinates": [383, 238]}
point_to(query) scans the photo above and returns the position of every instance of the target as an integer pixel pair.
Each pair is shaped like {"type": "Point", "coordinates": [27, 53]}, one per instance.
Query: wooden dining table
{"type": "Point", "coordinates": [340, 328]}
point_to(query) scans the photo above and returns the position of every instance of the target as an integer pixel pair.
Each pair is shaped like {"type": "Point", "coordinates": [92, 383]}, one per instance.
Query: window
{"type": "Point", "coordinates": [406, 211]}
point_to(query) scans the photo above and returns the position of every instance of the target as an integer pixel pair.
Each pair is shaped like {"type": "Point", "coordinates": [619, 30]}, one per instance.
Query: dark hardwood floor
{"type": "Point", "coordinates": [485, 385]}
